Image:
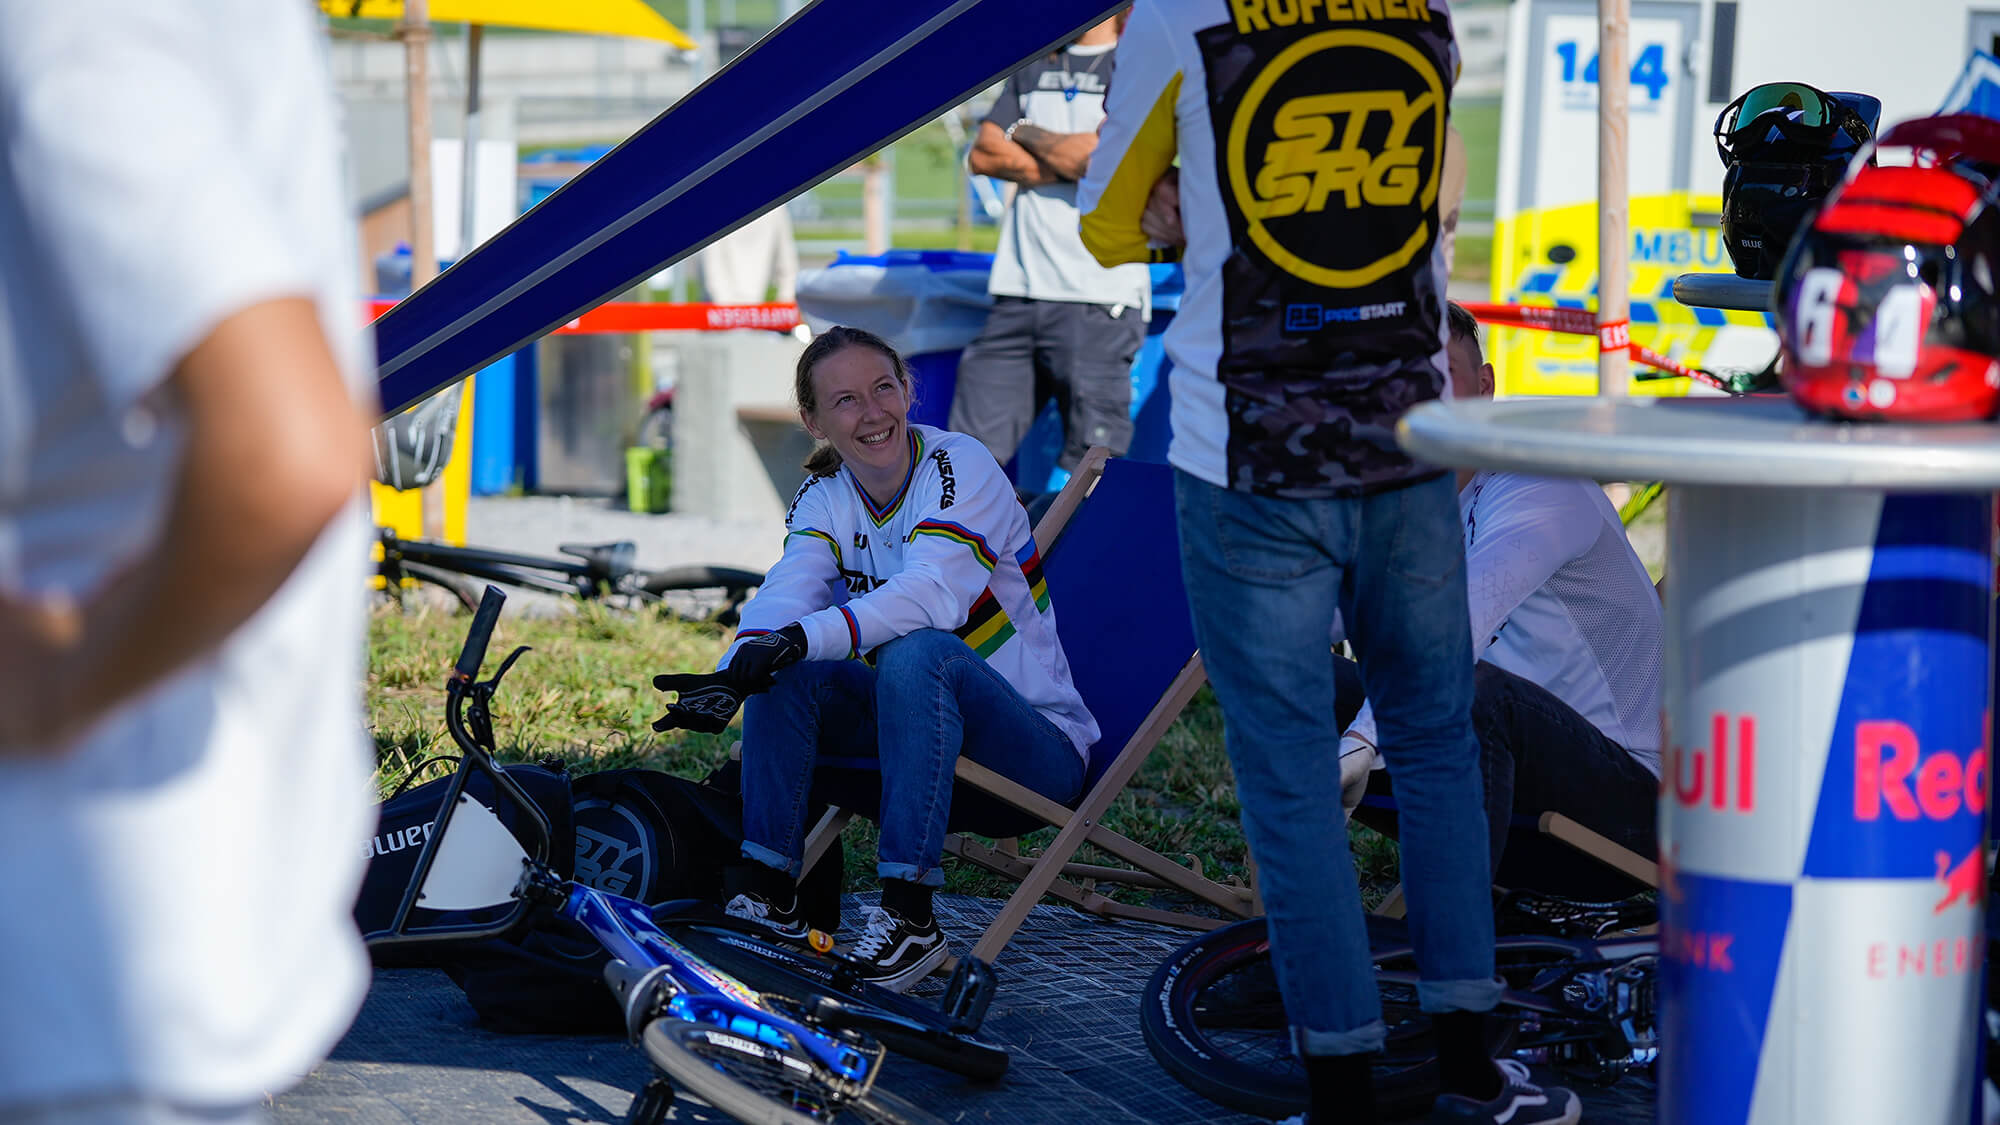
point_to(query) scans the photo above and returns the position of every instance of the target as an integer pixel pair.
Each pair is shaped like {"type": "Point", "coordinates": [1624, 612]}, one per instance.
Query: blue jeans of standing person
{"type": "Point", "coordinates": [927, 699]}
{"type": "Point", "coordinates": [1264, 577]}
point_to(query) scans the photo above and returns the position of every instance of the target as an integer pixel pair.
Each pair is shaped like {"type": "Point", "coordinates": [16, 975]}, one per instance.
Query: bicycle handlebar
{"type": "Point", "coordinates": [476, 638]}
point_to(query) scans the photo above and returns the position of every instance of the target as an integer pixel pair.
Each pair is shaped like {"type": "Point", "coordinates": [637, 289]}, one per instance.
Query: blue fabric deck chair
{"type": "Point", "coordinates": [1112, 564]}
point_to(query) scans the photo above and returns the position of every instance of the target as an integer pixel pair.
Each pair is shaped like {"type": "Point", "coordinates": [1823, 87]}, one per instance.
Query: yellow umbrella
{"type": "Point", "coordinates": [632, 18]}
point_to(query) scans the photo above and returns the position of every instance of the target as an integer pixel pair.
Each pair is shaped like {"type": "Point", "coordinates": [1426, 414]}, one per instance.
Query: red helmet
{"type": "Point", "coordinates": [1888, 303]}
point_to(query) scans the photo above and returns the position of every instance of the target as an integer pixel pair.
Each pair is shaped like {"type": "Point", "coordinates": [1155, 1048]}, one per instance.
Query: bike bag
{"type": "Point", "coordinates": [644, 834]}
{"type": "Point", "coordinates": [407, 819]}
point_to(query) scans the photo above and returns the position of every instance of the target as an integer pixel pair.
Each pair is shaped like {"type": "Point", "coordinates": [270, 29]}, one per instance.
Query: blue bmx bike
{"type": "Point", "coordinates": [805, 1048]}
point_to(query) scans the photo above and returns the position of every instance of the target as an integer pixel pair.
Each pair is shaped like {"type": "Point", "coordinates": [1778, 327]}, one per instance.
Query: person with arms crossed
{"type": "Point", "coordinates": [184, 777]}
{"type": "Point", "coordinates": [1566, 694]}
{"type": "Point", "coordinates": [908, 549]}
{"type": "Point", "coordinates": [1062, 326]}
{"type": "Point", "coordinates": [1311, 143]}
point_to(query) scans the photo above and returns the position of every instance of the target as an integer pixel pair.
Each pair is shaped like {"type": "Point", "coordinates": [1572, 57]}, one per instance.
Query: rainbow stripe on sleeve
{"type": "Point", "coordinates": [972, 539]}
{"type": "Point", "coordinates": [853, 631]}
{"type": "Point", "coordinates": [815, 533]}
{"type": "Point", "coordinates": [1031, 569]}
{"type": "Point", "coordinates": [987, 626]}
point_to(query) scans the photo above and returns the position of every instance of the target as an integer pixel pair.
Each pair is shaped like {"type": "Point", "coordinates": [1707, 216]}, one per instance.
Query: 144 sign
{"type": "Point", "coordinates": [1579, 82]}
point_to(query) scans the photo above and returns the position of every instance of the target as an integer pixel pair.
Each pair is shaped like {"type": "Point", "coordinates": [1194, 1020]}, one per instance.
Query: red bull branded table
{"type": "Point", "coordinates": [1826, 762]}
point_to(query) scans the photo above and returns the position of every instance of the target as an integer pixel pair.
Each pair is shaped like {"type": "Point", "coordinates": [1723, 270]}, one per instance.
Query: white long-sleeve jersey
{"type": "Point", "coordinates": [1559, 598]}
{"type": "Point", "coordinates": [951, 550]}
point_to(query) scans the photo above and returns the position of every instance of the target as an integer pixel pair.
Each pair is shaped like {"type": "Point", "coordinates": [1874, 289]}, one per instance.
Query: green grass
{"type": "Point", "coordinates": [585, 695]}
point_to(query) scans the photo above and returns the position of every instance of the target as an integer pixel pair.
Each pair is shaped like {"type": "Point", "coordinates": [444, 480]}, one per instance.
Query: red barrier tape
{"type": "Point", "coordinates": [1583, 322]}
{"type": "Point", "coordinates": [643, 316]}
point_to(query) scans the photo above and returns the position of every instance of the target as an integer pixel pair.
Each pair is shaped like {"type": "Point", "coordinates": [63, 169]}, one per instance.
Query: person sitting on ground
{"type": "Point", "coordinates": [1566, 628]}
{"type": "Point", "coordinates": [906, 547]}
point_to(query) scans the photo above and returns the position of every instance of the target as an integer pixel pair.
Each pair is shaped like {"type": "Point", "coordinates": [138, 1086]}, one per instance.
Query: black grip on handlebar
{"type": "Point", "coordinates": [474, 653]}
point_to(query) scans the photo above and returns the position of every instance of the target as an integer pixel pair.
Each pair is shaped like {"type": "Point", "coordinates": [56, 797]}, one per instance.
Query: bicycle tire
{"type": "Point", "coordinates": [910, 1028]}
{"type": "Point", "coordinates": [762, 1085]}
{"type": "Point", "coordinates": [1211, 1015]}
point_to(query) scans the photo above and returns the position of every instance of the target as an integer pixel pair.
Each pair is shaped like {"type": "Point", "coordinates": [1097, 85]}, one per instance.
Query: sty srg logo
{"type": "Point", "coordinates": [1298, 155]}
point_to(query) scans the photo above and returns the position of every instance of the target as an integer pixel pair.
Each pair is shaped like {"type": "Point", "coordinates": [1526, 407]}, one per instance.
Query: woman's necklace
{"type": "Point", "coordinates": [1071, 82]}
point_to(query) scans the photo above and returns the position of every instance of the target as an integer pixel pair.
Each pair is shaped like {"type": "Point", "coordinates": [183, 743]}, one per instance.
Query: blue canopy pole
{"type": "Point", "coordinates": [837, 81]}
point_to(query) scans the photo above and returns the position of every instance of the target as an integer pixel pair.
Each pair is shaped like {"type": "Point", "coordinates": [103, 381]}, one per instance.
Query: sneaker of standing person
{"type": "Point", "coordinates": [1520, 1102]}
{"type": "Point", "coordinates": [896, 952]}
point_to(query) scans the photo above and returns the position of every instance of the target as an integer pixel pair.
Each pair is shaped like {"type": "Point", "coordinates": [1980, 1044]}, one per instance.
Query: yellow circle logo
{"type": "Point", "coordinates": [1359, 151]}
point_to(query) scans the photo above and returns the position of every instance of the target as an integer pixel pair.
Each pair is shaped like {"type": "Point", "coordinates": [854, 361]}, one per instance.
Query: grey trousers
{"type": "Point", "coordinates": [1031, 351]}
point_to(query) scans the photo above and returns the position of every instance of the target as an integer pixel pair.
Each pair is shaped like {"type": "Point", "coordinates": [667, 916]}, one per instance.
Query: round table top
{"type": "Point", "coordinates": [1722, 291]}
{"type": "Point", "coordinates": [1760, 440]}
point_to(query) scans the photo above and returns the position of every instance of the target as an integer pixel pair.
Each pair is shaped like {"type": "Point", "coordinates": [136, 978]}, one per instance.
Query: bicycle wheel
{"type": "Point", "coordinates": [909, 1027]}
{"type": "Point", "coordinates": [1214, 1019]}
{"type": "Point", "coordinates": [762, 1085]}
{"type": "Point", "coordinates": [717, 592]}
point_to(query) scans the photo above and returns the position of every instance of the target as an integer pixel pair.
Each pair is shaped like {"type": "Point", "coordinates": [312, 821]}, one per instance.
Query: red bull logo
{"type": "Point", "coordinates": [1964, 881]}
{"type": "Point", "coordinates": [1720, 776]}
{"type": "Point", "coordinates": [1892, 773]}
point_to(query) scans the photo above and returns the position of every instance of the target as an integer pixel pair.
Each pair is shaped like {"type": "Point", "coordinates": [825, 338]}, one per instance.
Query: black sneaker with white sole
{"type": "Point", "coordinates": [785, 922]}
{"type": "Point", "coordinates": [896, 953]}
{"type": "Point", "coordinates": [1520, 1102]}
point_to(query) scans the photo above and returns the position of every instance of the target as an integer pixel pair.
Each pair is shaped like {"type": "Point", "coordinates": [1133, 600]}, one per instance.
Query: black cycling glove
{"type": "Point", "coordinates": [708, 700]}
{"type": "Point", "coordinates": [758, 659]}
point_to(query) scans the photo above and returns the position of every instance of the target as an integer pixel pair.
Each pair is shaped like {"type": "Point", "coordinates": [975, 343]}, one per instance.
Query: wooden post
{"type": "Point", "coordinates": [468, 164]}
{"type": "Point", "coordinates": [875, 204]}
{"type": "Point", "coordinates": [415, 32]}
{"type": "Point", "coordinates": [1614, 242]}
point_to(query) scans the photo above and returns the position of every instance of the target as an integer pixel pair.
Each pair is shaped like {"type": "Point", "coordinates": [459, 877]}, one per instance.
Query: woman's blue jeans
{"type": "Point", "coordinates": [927, 699]}
{"type": "Point", "coordinates": [1264, 576]}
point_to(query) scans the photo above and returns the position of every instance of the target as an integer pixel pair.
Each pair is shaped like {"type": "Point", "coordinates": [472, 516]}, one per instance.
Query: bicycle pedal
{"type": "Point", "coordinates": [969, 994]}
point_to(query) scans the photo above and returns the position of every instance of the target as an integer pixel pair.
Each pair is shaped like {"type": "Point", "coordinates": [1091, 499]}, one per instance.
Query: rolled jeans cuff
{"type": "Point", "coordinates": [1459, 995]}
{"type": "Point", "coordinates": [1368, 1037]}
{"type": "Point", "coordinates": [771, 859]}
{"type": "Point", "coordinates": [911, 873]}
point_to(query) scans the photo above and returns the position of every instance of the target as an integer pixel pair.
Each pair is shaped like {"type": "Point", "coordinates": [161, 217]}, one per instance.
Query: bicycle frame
{"type": "Point", "coordinates": [529, 572]}
{"type": "Point", "coordinates": [654, 975]}
{"type": "Point", "coordinates": [658, 976]}
{"type": "Point", "coordinates": [1599, 982]}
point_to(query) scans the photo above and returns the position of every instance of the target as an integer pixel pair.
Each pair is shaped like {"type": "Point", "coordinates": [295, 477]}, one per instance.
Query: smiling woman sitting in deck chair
{"type": "Point", "coordinates": [907, 547]}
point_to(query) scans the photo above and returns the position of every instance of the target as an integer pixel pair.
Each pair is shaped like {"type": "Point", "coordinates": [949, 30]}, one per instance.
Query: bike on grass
{"type": "Point", "coordinates": [806, 1050]}
{"type": "Point", "coordinates": [1579, 998]}
{"type": "Point", "coordinates": [594, 572]}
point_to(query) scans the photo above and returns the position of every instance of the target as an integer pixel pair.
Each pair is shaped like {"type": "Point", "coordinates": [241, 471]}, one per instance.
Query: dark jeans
{"type": "Point", "coordinates": [1537, 755]}
{"type": "Point", "coordinates": [1264, 579]}
{"type": "Point", "coordinates": [1032, 351]}
{"type": "Point", "coordinates": [926, 700]}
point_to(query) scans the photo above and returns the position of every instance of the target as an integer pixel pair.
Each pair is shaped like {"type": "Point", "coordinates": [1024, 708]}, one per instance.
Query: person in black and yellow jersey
{"type": "Point", "coordinates": [1311, 138]}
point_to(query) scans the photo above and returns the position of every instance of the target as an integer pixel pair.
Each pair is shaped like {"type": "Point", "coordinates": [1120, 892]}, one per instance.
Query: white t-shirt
{"type": "Point", "coordinates": [1040, 255]}
{"type": "Point", "coordinates": [1558, 597]}
{"type": "Point", "coordinates": [179, 883]}
{"type": "Point", "coordinates": [951, 550]}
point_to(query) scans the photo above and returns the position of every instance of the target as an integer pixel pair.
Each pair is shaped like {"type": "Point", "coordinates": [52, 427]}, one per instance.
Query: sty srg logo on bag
{"type": "Point", "coordinates": [1300, 155]}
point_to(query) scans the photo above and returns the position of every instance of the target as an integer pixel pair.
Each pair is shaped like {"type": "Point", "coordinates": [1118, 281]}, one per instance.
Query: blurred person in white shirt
{"type": "Point", "coordinates": [184, 776]}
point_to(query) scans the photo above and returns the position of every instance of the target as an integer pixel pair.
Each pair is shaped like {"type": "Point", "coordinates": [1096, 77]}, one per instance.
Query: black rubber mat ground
{"type": "Point", "coordinates": [1067, 1011]}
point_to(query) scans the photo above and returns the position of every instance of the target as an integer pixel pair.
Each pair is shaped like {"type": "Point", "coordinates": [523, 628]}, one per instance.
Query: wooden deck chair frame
{"type": "Point", "coordinates": [1054, 872]}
